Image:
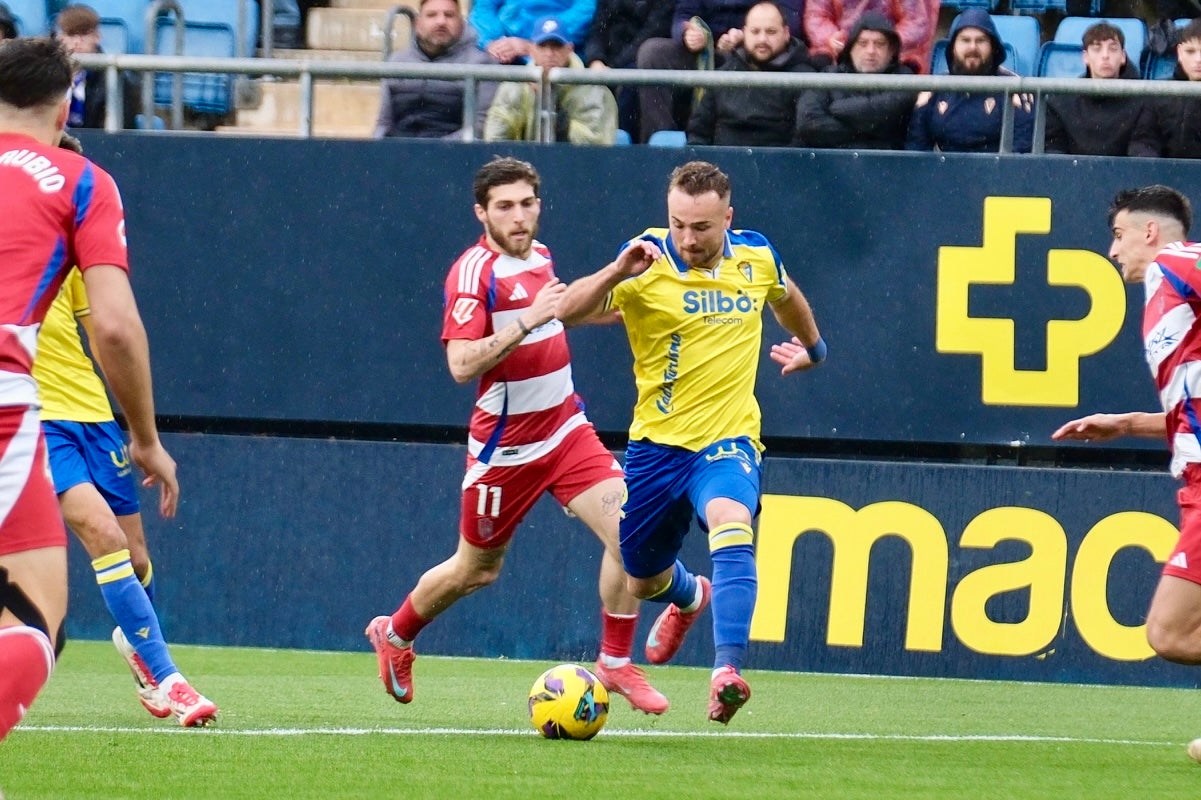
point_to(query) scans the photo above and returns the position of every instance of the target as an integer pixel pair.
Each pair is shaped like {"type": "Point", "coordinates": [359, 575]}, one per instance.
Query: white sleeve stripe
{"type": "Point", "coordinates": [470, 268]}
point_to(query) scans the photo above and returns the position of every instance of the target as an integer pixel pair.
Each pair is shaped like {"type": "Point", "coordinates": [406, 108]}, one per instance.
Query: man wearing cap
{"type": "Point", "coordinates": [583, 114]}
{"type": "Point", "coordinates": [504, 25]}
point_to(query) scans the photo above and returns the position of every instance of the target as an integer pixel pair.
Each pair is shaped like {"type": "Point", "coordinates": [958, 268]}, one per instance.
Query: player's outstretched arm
{"type": "Point", "coordinates": [806, 349]}
{"type": "Point", "coordinates": [470, 358]}
{"type": "Point", "coordinates": [118, 339]}
{"type": "Point", "coordinates": [1104, 427]}
{"type": "Point", "coordinates": [584, 300]}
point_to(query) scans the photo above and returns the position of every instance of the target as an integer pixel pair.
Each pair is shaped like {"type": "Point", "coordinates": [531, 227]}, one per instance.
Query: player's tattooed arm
{"type": "Point", "coordinates": [470, 358]}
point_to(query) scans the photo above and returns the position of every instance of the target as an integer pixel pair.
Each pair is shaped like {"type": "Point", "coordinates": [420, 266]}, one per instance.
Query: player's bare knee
{"type": "Point", "coordinates": [642, 588]}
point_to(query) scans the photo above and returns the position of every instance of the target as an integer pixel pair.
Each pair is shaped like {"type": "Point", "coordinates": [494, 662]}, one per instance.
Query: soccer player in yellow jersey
{"type": "Point", "coordinates": [692, 307]}
{"type": "Point", "coordinates": [93, 476]}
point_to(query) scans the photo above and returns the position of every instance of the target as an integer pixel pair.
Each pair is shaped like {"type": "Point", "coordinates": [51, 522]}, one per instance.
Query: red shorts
{"type": "Point", "coordinates": [29, 515]}
{"type": "Point", "coordinates": [498, 498]}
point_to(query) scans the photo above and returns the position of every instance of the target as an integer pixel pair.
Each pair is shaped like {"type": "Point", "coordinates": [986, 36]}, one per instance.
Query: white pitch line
{"type": "Point", "coordinates": [633, 734]}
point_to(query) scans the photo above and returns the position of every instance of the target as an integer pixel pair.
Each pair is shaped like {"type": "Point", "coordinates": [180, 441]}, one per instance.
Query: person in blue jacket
{"type": "Point", "coordinates": [504, 25]}
{"type": "Point", "coordinates": [970, 122]}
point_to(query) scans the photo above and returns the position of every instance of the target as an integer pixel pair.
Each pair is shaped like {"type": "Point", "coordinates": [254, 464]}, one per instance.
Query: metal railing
{"type": "Point", "coordinates": [472, 74]}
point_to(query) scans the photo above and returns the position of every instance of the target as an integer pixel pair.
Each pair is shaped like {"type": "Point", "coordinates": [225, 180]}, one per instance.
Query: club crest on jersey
{"type": "Point", "coordinates": [747, 271]}
{"type": "Point", "coordinates": [463, 309]}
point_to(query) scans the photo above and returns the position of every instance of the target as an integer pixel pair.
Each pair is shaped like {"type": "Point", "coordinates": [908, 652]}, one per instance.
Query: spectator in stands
{"type": "Point", "coordinates": [78, 28]}
{"type": "Point", "coordinates": [504, 25]}
{"type": "Point", "coordinates": [618, 29]}
{"type": "Point", "coordinates": [1095, 125]}
{"type": "Point", "coordinates": [583, 114]}
{"type": "Point", "coordinates": [857, 119]}
{"type": "Point", "coordinates": [703, 34]}
{"type": "Point", "coordinates": [754, 117]}
{"type": "Point", "coordinates": [828, 24]}
{"type": "Point", "coordinates": [969, 121]}
{"type": "Point", "coordinates": [8, 23]}
{"type": "Point", "coordinates": [426, 108]}
{"type": "Point", "coordinates": [1177, 120]}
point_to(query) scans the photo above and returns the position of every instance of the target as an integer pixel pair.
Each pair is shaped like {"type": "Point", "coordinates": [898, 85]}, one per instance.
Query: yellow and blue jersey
{"type": "Point", "coordinates": [67, 381]}
{"type": "Point", "coordinates": [695, 335]}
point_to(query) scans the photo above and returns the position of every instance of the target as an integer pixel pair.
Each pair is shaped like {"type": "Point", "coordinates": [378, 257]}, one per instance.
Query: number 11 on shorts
{"type": "Point", "coordinates": [481, 506]}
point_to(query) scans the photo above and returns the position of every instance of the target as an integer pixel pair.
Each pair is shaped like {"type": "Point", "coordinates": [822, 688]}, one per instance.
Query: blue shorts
{"type": "Point", "coordinates": [667, 486]}
{"type": "Point", "coordinates": [95, 453]}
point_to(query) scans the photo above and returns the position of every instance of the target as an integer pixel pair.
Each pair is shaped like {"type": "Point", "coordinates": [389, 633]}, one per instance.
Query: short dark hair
{"type": "Point", "coordinates": [1102, 32]}
{"type": "Point", "coordinates": [34, 72]}
{"type": "Point", "coordinates": [77, 20]}
{"type": "Point", "coordinates": [1160, 200]}
{"type": "Point", "coordinates": [1190, 31]}
{"type": "Point", "coordinates": [501, 172]}
{"type": "Point", "coordinates": [698, 177]}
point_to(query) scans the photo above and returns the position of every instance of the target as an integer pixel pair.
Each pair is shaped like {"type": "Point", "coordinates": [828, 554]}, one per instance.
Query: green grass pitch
{"type": "Point", "coordinates": [317, 725]}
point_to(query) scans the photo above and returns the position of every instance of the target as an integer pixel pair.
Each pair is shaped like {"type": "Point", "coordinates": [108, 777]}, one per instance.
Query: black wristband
{"type": "Point", "coordinates": [524, 330]}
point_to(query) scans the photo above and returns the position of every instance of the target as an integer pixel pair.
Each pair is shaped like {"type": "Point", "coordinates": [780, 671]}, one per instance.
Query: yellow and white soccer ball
{"type": "Point", "coordinates": [568, 702]}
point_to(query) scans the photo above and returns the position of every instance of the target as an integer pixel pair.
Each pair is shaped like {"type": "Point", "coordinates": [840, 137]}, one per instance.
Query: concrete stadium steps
{"type": "Point", "coordinates": [342, 109]}
{"type": "Point", "coordinates": [327, 55]}
{"type": "Point", "coordinates": [353, 29]}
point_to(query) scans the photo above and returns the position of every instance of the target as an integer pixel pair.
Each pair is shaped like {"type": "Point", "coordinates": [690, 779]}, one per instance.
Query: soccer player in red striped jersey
{"type": "Point", "coordinates": [1149, 227]}
{"type": "Point", "coordinates": [528, 434]}
{"type": "Point", "coordinates": [56, 209]}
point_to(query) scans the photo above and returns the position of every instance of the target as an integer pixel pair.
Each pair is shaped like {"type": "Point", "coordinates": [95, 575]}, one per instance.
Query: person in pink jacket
{"type": "Point", "coordinates": [827, 23]}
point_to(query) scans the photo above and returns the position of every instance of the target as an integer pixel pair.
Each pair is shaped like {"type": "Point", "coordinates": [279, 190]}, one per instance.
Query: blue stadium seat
{"type": "Point", "coordinates": [225, 12]}
{"type": "Point", "coordinates": [938, 58]}
{"type": "Point", "coordinates": [668, 139]}
{"type": "Point", "coordinates": [31, 16]}
{"type": "Point", "coordinates": [1040, 7]}
{"type": "Point", "coordinates": [991, 5]}
{"type": "Point", "coordinates": [114, 36]}
{"type": "Point", "coordinates": [1071, 30]}
{"type": "Point", "coordinates": [623, 138]}
{"type": "Point", "coordinates": [1024, 34]}
{"type": "Point", "coordinates": [131, 13]}
{"type": "Point", "coordinates": [204, 92]}
{"type": "Point", "coordinates": [1060, 60]}
{"type": "Point", "coordinates": [1159, 68]}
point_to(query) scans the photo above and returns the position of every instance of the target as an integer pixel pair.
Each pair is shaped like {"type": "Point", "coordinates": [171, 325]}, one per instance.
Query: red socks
{"type": "Point", "coordinates": [407, 623]}
{"type": "Point", "coordinates": [26, 660]}
{"type": "Point", "coordinates": [617, 634]}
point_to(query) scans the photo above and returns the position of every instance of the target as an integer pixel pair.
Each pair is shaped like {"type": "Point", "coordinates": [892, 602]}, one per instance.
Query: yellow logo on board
{"type": "Point", "coordinates": [1068, 340]}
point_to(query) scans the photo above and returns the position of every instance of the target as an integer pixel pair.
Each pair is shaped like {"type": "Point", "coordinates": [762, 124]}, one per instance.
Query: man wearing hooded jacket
{"type": "Point", "coordinates": [754, 117]}
{"type": "Point", "coordinates": [970, 122]}
{"type": "Point", "coordinates": [860, 120]}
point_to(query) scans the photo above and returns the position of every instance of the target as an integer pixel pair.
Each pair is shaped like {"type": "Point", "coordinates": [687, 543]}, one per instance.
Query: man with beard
{"type": "Point", "coordinates": [426, 108]}
{"type": "Point", "coordinates": [1095, 125]}
{"type": "Point", "coordinates": [754, 117]}
{"type": "Point", "coordinates": [528, 433]}
{"type": "Point", "coordinates": [692, 298]}
{"type": "Point", "coordinates": [968, 121]}
{"type": "Point", "coordinates": [858, 119]}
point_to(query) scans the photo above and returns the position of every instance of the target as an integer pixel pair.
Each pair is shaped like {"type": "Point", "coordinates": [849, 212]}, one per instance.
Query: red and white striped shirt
{"type": "Point", "coordinates": [526, 404]}
{"type": "Point", "coordinates": [57, 209]}
{"type": "Point", "coordinates": [1172, 346]}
